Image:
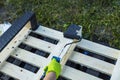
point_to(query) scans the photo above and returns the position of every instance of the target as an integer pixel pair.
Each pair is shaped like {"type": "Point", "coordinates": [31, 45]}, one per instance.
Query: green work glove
{"type": "Point", "coordinates": [53, 66]}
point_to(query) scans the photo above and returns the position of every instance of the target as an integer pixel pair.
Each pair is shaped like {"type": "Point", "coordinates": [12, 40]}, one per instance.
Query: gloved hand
{"type": "Point", "coordinates": [53, 66]}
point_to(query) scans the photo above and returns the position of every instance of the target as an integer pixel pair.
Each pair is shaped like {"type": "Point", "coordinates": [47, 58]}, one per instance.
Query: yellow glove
{"type": "Point", "coordinates": [53, 66]}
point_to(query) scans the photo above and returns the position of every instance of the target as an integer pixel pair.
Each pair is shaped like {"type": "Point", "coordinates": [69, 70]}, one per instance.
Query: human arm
{"type": "Point", "coordinates": [50, 76]}
{"type": "Point", "coordinates": [52, 70]}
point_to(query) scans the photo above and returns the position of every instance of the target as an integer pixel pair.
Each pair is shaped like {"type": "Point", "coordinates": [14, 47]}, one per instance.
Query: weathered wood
{"type": "Point", "coordinates": [74, 74]}
{"type": "Point", "coordinates": [93, 63]}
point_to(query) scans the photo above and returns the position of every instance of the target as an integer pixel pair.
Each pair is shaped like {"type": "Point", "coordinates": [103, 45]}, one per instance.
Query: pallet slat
{"type": "Point", "coordinates": [29, 57]}
{"type": "Point", "coordinates": [16, 72]}
{"type": "Point", "coordinates": [116, 71]}
{"type": "Point", "coordinates": [49, 32]}
{"type": "Point", "coordinates": [99, 49]}
{"type": "Point", "coordinates": [39, 44]}
{"type": "Point", "coordinates": [93, 63]}
{"type": "Point", "coordinates": [74, 74]}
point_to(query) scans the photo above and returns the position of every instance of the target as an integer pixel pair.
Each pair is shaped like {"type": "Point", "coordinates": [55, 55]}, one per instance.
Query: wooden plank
{"type": "Point", "coordinates": [93, 63]}
{"type": "Point", "coordinates": [99, 49]}
{"type": "Point", "coordinates": [74, 74]}
{"type": "Point", "coordinates": [49, 32]}
{"type": "Point", "coordinates": [29, 57]}
{"type": "Point", "coordinates": [14, 43]}
{"type": "Point", "coordinates": [67, 54]}
{"type": "Point", "coordinates": [39, 44]}
{"type": "Point", "coordinates": [17, 72]}
{"type": "Point", "coordinates": [116, 71]}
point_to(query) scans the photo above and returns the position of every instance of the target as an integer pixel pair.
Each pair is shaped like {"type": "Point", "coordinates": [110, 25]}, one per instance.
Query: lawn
{"type": "Point", "coordinates": [100, 18]}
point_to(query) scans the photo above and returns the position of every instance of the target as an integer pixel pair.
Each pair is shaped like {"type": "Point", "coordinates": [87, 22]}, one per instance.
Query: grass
{"type": "Point", "coordinates": [100, 18]}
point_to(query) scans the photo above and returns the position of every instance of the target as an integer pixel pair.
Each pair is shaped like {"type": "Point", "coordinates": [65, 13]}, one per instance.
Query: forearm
{"type": "Point", "coordinates": [50, 76]}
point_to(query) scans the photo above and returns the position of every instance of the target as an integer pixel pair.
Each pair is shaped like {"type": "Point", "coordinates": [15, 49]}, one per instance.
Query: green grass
{"type": "Point", "coordinates": [100, 18]}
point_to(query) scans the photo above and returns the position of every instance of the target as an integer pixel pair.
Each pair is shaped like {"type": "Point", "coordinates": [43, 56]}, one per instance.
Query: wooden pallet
{"type": "Point", "coordinates": [31, 58]}
{"type": "Point", "coordinates": [54, 49]}
{"type": "Point", "coordinates": [26, 55]}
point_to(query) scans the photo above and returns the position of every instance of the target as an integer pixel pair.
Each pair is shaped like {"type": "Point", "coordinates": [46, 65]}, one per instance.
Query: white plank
{"type": "Point", "coordinates": [49, 32]}
{"type": "Point", "coordinates": [93, 63]}
{"type": "Point", "coordinates": [74, 74]}
{"type": "Point", "coordinates": [29, 57]}
{"type": "Point", "coordinates": [99, 49]}
{"type": "Point", "coordinates": [39, 44]}
{"type": "Point", "coordinates": [15, 71]}
{"type": "Point", "coordinates": [116, 71]}
{"type": "Point", "coordinates": [5, 53]}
